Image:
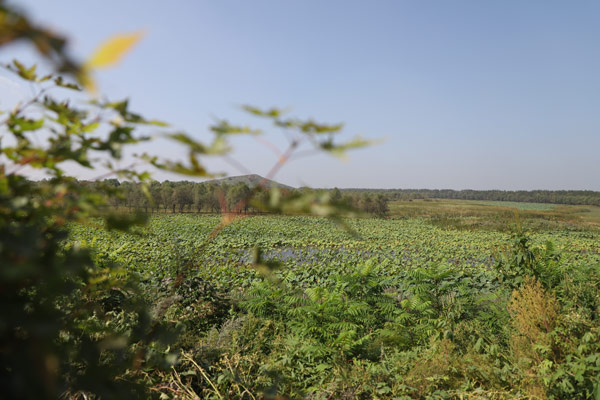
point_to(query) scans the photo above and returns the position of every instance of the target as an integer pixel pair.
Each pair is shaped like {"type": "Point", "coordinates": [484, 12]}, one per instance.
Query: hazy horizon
{"type": "Point", "coordinates": [467, 95]}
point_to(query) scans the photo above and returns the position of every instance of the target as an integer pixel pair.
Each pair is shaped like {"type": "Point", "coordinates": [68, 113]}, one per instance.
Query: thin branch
{"type": "Point", "coordinates": [281, 161]}
{"type": "Point", "coordinates": [28, 103]}
{"type": "Point", "coordinates": [269, 145]}
{"type": "Point", "coordinates": [306, 153]}
{"type": "Point", "coordinates": [236, 164]}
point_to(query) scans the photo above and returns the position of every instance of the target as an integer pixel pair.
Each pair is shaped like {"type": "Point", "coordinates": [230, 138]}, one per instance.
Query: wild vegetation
{"type": "Point", "coordinates": [394, 308]}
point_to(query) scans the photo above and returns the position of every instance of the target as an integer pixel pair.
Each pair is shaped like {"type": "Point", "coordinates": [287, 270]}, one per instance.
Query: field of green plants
{"type": "Point", "coordinates": [312, 247]}
{"type": "Point", "coordinates": [393, 308]}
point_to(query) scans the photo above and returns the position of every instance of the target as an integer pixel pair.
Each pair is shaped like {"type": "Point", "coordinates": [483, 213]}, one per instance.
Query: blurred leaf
{"type": "Point", "coordinates": [112, 50]}
{"type": "Point", "coordinates": [122, 108]}
{"type": "Point", "coordinates": [271, 113]}
{"type": "Point", "coordinates": [339, 150]}
{"type": "Point", "coordinates": [19, 125]}
{"type": "Point", "coordinates": [23, 71]}
{"type": "Point", "coordinates": [59, 81]}
{"type": "Point", "coordinates": [217, 147]}
{"type": "Point", "coordinates": [224, 128]}
{"type": "Point", "coordinates": [194, 169]}
{"type": "Point", "coordinates": [307, 202]}
{"type": "Point", "coordinates": [312, 127]}
{"type": "Point", "coordinates": [124, 221]}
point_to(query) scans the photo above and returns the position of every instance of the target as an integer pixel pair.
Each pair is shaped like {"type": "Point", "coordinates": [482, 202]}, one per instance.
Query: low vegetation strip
{"type": "Point", "coordinates": [518, 205]}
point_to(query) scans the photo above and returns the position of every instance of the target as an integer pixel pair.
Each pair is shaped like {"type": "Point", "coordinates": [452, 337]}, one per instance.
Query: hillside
{"type": "Point", "coordinates": [250, 180]}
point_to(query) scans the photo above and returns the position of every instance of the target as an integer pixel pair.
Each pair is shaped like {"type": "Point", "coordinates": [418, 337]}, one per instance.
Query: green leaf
{"type": "Point", "coordinates": [122, 108]}
{"type": "Point", "coordinates": [224, 128]}
{"type": "Point", "coordinates": [270, 113]}
{"type": "Point", "coordinates": [217, 147]}
{"type": "Point", "coordinates": [22, 71]}
{"type": "Point", "coordinates": [312, 127]}
{"type": "Point", "coordinates": [20, 124]}
{"type": "Point", "coordinates": [59, 81]}
{"type": "Point", "coordinates": [339, 150]}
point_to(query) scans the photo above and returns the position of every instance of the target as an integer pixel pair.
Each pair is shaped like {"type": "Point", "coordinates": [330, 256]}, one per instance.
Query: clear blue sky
{"type": "Point", "coordinates": [468, 94]}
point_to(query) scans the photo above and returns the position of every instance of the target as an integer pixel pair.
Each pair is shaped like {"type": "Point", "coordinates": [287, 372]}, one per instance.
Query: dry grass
{"type": "Point", "coordinates": [534, 313]}
{"type": "Point", "coordinates": [475, 215]}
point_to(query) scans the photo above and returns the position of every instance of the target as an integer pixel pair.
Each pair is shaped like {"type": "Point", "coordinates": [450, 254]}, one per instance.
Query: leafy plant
{"type": "Point", "coordinates": [524, 259]}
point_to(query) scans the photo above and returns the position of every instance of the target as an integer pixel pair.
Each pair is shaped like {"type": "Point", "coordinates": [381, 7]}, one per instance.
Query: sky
{"type": "Point", "coordinates": [464, 94]}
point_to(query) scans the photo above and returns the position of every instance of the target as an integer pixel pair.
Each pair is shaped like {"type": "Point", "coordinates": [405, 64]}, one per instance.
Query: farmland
{"type": "Point", "coordinates": [305, 244]}
{"type": "Point", "coordinates": [430, 301]}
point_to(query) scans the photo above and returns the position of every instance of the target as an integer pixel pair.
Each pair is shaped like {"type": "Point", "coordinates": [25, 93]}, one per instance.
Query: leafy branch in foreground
{"type": "Point", "coordinates": [69, 326]}
{"type": "Point", "coordinates": [61, 330]}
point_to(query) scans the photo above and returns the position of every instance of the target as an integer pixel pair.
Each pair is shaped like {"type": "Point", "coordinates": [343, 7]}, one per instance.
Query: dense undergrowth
{"type": "Point", "coordinates": [522, 322]}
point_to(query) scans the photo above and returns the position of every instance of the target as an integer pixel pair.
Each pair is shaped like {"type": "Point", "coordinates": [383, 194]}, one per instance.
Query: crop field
{"type": "Point", "coordinates": [309, 248]}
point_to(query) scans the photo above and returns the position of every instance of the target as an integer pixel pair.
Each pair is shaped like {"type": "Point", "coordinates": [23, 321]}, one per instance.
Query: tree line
{"type": "Point", "coordinates": [572, 197]}
{"type": "Point", "coordinates": [211, 197]}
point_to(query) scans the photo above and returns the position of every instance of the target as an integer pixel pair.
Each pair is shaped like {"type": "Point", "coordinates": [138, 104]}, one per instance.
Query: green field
{"type": "Point", "coordinates": [306, 244]}
{"type": "Point", "coordinates": [436, 301]}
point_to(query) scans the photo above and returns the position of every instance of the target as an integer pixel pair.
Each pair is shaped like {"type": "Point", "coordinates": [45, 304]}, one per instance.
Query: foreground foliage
{"type": "Point", "coordinates": [72, 325]}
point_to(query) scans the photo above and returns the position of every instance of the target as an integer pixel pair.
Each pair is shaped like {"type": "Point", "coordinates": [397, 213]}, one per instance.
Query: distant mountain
{"type": "Point", "coordinates": [250, 180]}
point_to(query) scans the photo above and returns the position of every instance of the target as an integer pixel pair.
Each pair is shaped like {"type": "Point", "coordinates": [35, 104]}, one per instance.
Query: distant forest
{"type": "Point", "coordinates": [218, 196]}
{"type": "Point", "coordinates": [574, 197]}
